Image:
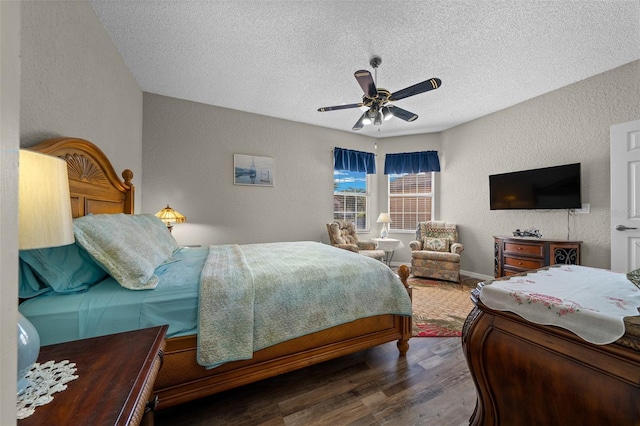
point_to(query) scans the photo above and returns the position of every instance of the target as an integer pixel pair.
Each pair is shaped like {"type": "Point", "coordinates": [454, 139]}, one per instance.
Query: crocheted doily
{"type": "Point", "coordinates": [45, 380]}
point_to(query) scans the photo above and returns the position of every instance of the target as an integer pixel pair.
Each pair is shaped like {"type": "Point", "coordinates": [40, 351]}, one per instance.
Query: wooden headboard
{"type": "Point", "coordinates": [94, 185]}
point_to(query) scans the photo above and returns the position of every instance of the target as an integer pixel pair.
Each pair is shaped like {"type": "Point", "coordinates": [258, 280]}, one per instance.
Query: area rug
{"type": "Point", "coordinates": [440, 307]}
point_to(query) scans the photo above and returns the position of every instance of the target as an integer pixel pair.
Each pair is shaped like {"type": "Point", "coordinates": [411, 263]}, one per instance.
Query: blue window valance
{"type": "Point", "coordinates": [412, 162]}
{"type": "Point", "coordinates": [354, 161]}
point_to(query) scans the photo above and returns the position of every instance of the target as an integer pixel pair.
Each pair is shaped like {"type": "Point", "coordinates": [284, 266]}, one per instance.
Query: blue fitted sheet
{"type": "Point", "coordinates": [107, 307]}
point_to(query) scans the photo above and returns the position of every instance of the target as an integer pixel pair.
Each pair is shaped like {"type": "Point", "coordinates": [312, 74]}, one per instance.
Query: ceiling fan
{"type": "Point", "coordinates": [376, 99]}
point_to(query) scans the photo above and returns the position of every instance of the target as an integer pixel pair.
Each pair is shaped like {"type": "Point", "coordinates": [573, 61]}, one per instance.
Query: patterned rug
{"type": "Point", "coordinates": [440, 307]}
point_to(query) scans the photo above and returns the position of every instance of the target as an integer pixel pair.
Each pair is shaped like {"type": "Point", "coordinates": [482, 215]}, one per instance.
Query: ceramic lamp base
{"type": "Point", "coordinates": [28, 350]}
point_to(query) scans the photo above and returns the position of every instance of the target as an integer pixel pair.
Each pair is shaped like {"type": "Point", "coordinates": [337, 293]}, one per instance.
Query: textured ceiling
{"type": "Point", "coordinates": [286, 59]}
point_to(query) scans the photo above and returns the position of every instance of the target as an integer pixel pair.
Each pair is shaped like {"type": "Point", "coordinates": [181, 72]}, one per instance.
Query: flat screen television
{"type": "Point", "coordinates": [556, 187]}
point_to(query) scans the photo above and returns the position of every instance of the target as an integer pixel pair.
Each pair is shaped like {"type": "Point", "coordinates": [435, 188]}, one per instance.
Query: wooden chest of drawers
{"type": "Point", "coordinates": [116, 374]}
{"type": "Point", "coordinates": [514, 255]}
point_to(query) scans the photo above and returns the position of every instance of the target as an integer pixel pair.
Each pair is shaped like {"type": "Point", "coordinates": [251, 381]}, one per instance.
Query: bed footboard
{"type": "Point", "coordinates": [182, 379]}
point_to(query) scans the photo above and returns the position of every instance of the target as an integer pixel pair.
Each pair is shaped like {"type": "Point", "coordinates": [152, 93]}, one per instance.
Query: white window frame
{"type": "Point", "coordinates": [426, 195]}
{"type": "Point", "coordinates": [366, 195]}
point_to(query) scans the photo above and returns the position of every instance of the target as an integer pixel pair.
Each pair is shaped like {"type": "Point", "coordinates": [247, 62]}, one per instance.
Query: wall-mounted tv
{"type": "Point", "coordinates": [555, 187]}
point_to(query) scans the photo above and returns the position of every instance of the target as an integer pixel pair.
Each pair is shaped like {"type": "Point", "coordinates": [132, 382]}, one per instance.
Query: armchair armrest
{"type": "Point", "coordinates": [415, 245]}
{"type": "Point", "coordinates": [457, 248]}
{"type": "Point", "coordinates": [367, 245]}
{"type": "Point", "coordinates": [350, 247]}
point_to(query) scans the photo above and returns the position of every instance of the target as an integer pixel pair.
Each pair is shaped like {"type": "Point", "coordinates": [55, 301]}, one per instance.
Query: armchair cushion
{"type": "Point", "coordinates": [437, 229]}
{"type": "Point", "coordinates": [367, 245]}
{"type": "Point", "coordinates": [350, 247]}
{"type": "Point", "coordinates": [341, 232]}
{"type": "Point", "coordinates": [438, 256]}
{"type": "Point", "coordinates": [435, 244]}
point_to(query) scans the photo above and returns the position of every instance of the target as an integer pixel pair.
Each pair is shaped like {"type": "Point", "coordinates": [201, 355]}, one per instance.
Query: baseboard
{"type": "Point", "coordinates": [476, 275]}
{"type": "Point", "coordinates": [462, 272]}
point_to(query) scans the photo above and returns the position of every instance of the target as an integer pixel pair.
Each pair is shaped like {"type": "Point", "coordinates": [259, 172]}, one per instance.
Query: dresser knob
{"type": "Point", "coordinates": [152, 404]}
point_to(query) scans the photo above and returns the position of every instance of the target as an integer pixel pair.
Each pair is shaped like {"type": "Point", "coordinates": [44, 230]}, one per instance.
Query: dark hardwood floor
{"type": "Point", "coordinates": [431, 386]}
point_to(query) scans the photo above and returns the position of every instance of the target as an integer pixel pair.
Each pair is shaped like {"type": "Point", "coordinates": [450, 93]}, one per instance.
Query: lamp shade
{"type": "Point", "coordinates": [383, 218]}
{"type": "Point", "coordinates": [44, 203]}
{"type": "Point", "coordinates": [169, 215]}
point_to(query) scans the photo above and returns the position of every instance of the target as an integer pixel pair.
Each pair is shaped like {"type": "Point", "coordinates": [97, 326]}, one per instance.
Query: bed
{"type": "Point", "coordinates": [96, 190]}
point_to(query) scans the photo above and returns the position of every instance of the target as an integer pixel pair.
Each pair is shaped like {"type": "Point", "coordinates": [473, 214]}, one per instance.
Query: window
{"type": "Point", "coordinates": [351, 197]}
{"type": "Point", "coordinates": [410, 200]}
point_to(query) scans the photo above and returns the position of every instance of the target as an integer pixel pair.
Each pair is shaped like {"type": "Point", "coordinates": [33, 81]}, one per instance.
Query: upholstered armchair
{"type": "Point", "coordinates": [435, 253]}
{"type": "Point", "coordinates": [342, 234]}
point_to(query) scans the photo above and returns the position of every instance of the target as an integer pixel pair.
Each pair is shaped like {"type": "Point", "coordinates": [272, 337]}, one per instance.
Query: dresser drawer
{"type": "Point", "coordinates": [517, 255]}
{"type": "Point", "coordinates": [525, 249]}
{"type": "Point", "coordinates": [146, 403]}
{"type": "Point", "coordinates": [522, 263]}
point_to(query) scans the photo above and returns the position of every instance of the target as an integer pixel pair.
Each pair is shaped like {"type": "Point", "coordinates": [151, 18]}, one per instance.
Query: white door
{"type": "Point", "coordinates": [625, 196]}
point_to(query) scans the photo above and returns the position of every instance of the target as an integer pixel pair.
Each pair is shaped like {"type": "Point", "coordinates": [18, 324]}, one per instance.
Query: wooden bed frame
{"type": "Point", "coordinates": [96, 188]}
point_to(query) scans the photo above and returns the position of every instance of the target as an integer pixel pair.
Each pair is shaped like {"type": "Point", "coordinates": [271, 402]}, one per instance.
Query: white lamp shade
{"type": "Point", "coordinates": [44, 203]}
{"type": "Point", "coordinates": [383, 218]}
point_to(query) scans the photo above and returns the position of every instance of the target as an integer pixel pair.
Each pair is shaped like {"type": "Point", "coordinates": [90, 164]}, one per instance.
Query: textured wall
{"type": "Point", "coordinates": [9, 143]}
{"type": "Point", "coordinates": [568, 125]}
{"type": "Point", "coordinates": [188, 152]}
{"type": "Point", "coordinates": [75, 83]}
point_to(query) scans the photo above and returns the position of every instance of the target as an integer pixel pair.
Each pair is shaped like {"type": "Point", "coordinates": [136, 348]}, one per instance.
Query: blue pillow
{"type": "Point", "coordinates": [66, 269]}
{"type": "Point", "coordinates": [29, 284]}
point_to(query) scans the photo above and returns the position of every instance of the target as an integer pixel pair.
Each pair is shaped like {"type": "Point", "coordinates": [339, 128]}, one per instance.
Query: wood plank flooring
{"type": "Point", "coordinates": [431, 386]}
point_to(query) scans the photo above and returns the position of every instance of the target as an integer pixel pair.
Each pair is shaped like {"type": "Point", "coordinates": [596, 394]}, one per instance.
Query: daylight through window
{"type": "Point", "coordinates": [410, 200]}
{"type": "Point", "coordinates": [351, 197]}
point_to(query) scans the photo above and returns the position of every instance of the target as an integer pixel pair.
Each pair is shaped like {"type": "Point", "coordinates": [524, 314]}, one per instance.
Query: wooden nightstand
{"type": "Point", "coordinates": [115, 384]}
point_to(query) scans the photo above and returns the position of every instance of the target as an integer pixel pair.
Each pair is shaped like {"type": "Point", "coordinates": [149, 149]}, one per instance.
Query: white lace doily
{"type": "Point", "coordinates": [45, 380]}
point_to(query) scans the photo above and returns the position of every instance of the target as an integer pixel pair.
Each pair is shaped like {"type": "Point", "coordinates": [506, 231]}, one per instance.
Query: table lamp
{"type": "Point", "coordinates": [169, 216]}
{"type": "Point", "coordinates": [44, 220]}
{"type": "Point", "coordinates": [384, 219]}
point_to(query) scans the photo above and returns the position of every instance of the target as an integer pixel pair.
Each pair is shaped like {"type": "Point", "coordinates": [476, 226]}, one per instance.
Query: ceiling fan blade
{"type": "Point", "coordinates": [360, 123]}
{"type": "Point", "coordinates": [366, 82]}
{"type": "Point", "coordinates": [402, 114]}
{"type": "Point", "coordinates": [425, 86]}
{"type": "Point", "coordinates": [337, 107]}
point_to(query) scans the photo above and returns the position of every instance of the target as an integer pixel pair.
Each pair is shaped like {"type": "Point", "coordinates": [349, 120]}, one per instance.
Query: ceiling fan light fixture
{"type": "Point", "coordinates": [378, 120]}
{"type": "Point", "coordinates": [366, 120]}
{"type": "Point", "coordinates": [387, 114]}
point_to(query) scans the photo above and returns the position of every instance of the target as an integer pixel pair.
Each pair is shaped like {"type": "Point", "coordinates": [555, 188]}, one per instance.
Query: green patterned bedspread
{"type": "Point", "coordinates": [257, 295]}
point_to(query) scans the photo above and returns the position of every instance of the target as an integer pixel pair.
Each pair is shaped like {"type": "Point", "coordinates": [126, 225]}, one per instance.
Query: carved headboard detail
{"type": "Point", "coordinates": [94, 185]}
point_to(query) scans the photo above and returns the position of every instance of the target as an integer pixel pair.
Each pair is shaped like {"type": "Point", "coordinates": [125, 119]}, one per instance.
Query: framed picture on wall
{"type": "Point", "coordinates": [252, 170]}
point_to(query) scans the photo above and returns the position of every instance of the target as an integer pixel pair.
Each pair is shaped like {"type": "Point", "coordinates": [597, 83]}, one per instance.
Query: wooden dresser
{"type": "Point", "coordinates": [514, 255]}
{"type": "Point", "coordinates": [116, 374]}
